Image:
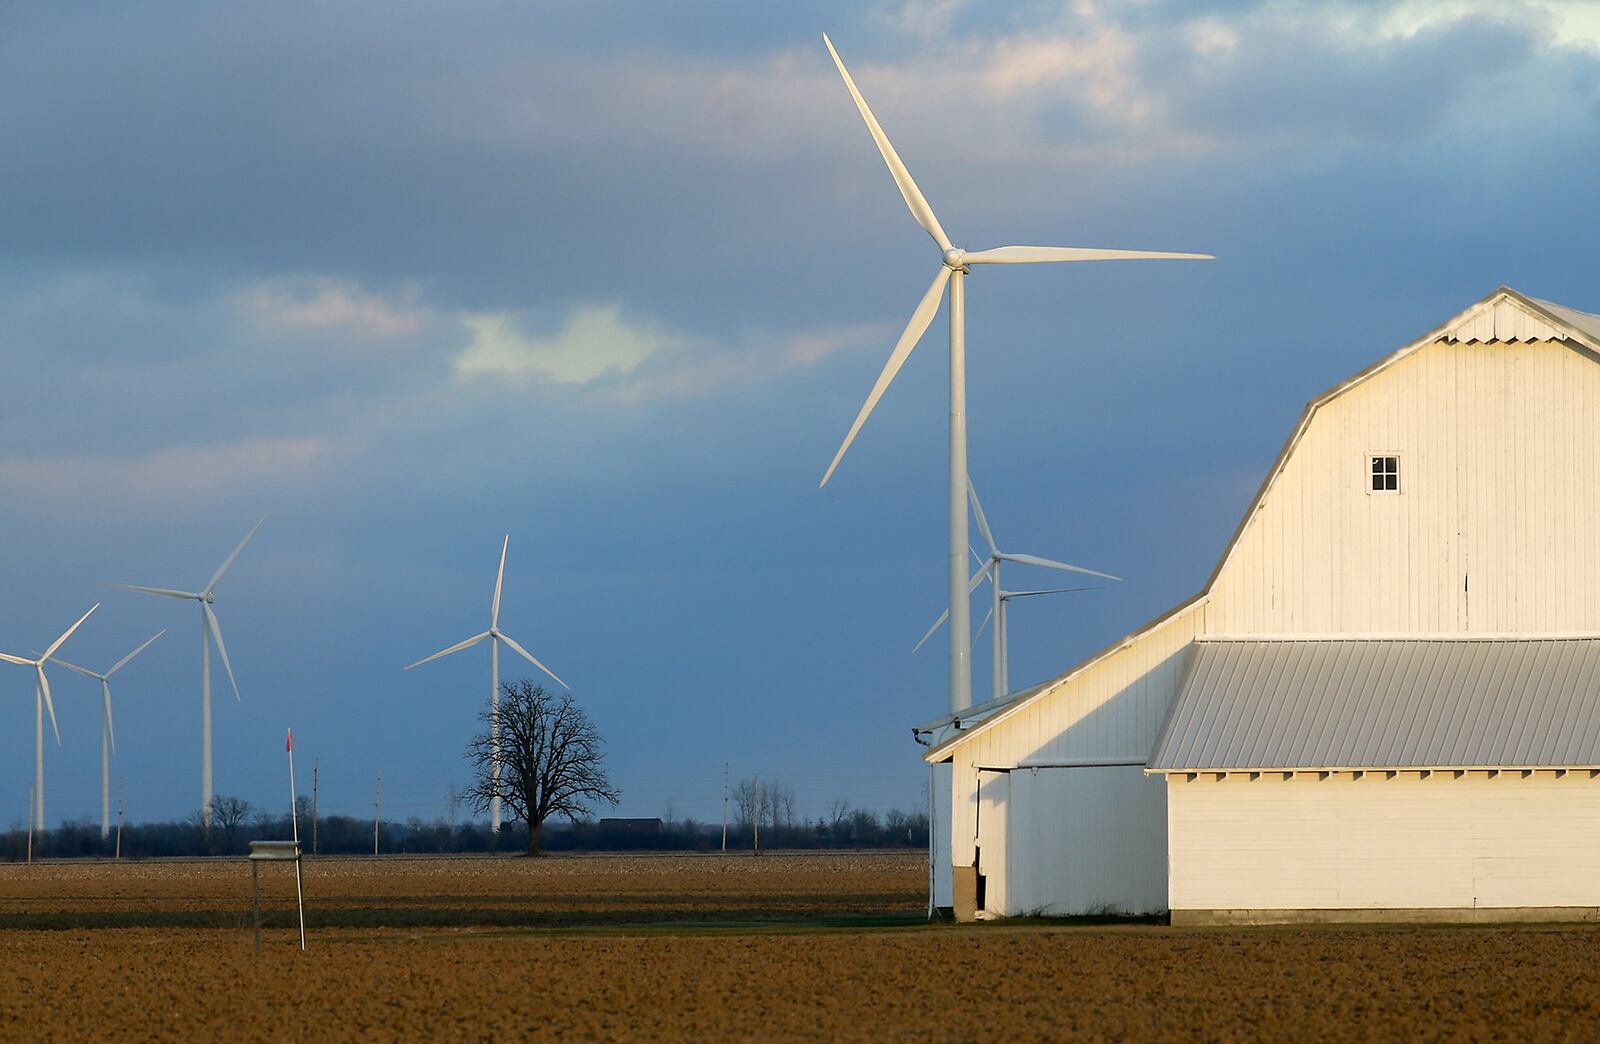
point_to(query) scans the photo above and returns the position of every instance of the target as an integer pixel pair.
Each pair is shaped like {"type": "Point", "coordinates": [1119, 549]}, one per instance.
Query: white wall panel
{"type": "Point", "coordinates": [1085, 841]}
{"type": "Point", "coordinates": [1374, 842]}
{"type": "Point", "coordinates": [1492, 531]}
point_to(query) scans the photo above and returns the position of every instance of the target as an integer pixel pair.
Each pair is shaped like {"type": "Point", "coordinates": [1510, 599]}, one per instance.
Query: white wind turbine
{"type": "Point", "coordinates": [953, 269]}
{"type": "Point", "coordinates": [41, 703]}
{"type": "Point", "coordinates": [990, 571]}
{"type": "Point", "coordinates": [495, 636]}
{"type": "Point", "coordinates": [108, 732]}
{"type": "Point", "coordinates": [210, 630]}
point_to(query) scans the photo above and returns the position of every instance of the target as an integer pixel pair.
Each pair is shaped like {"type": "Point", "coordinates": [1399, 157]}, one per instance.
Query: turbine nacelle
{"type": "Point", "coordinates": [955, 259]}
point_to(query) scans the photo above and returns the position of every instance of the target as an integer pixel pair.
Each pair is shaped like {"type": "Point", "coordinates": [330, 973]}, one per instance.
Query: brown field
{"type": "Point", "coordinates": [815, 946]}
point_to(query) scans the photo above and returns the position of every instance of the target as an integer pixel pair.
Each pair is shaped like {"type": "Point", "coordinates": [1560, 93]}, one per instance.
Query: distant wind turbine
{"type": "Point", "coordinates": [41, 703]}
{"type": "Point", "coordinates": [955, 263]}
{"type": "Point", "coordinates": [108, 732]}
{"type": "Point", "coordinates": [210, 630]}
{"type": "Point", "coordinates": [990, 571]}
{"type": "Point", "coordinates": [495, 636]}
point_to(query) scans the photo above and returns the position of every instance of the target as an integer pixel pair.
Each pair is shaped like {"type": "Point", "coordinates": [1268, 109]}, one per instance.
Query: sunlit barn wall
{"type": "Point", "coordinates": [1492, 530]}
{"type": "Point", "coordinates": [1371, 843]}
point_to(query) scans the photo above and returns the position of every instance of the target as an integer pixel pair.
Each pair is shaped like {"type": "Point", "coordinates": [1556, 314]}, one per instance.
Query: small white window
{"type": "Point", "coordinates": [1385, 474]}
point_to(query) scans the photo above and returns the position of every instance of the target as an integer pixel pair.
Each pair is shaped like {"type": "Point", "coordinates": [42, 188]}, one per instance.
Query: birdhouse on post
{"type": "Point", "coordinates": [280, 852]}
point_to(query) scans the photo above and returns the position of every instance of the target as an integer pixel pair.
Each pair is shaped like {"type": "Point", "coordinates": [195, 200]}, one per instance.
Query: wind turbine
{"type": "Point", "coordinates": [495, 636]}
{"type": "Point", "coordinates": [108, 732]}
{"type": "Point", "coordinates": [41, 703]}
{"type": "Point", "coordinates": [210, 630]}
{"type": "Point", "coordinates": [955, 263]}
{"type": "Point", "coordinates": [990, 571]}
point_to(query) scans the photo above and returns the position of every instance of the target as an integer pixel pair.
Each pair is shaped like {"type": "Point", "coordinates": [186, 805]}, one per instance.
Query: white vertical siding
{"type": "Point", "coordinates": [1374, 842]}
{"type": "Point", "coordinates": [1492, 531]}
{"type": "Point", "coordinates": [1085, 841]}
{"type": "Point", "coordinates": [1111, 710]}
{"type": "Point", "coordinates": [994, 791]}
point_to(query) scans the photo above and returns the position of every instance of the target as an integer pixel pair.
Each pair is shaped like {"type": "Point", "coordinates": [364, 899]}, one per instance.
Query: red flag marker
{"type": "Point", "coordinates": [289, 744]}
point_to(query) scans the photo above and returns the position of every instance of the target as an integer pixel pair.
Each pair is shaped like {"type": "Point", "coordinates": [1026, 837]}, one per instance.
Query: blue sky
{"type": "Point", "coordinates": [615, 279]}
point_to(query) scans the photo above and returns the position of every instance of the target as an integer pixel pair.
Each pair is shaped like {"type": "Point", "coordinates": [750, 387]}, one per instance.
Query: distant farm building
{"type": "Point", "coordinates": [1385, 704]}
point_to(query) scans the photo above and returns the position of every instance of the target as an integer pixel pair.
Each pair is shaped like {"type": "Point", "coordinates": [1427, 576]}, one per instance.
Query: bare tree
{"type": "Point", "coordinates": [228, 814]}
{"type": "Point", "coordinates": [838, 812]}
{"type": "Point", "coordinates": [744, 802]}
{"type": "Point", "coordinates": [551, 756]}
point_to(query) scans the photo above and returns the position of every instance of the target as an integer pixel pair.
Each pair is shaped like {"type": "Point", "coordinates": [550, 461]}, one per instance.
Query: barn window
{"type": "Point", "coordinates": [1385, 474]}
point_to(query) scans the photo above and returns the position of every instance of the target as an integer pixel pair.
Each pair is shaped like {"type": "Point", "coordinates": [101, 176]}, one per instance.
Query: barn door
{"type": "Point", "coordinates": [994, 791]}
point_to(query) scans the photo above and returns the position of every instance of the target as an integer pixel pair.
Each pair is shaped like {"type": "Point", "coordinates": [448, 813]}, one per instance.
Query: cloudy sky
{"type": "Point", "coordinates": [614, 279]}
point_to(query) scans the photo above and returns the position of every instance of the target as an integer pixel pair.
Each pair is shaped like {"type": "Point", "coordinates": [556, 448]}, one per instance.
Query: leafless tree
{"type": "Point", "coordinates": [551, 756]}
{"type": "Point", "coordinates": [228, 814]}
{"type": "Point", "coordinates": [744, 802]}
{"type": "Point", "coordinates": [837, 813]}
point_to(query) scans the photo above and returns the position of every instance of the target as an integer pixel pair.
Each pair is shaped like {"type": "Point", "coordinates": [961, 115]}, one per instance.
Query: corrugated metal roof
{"type": "Point", "coordinates": [1386, 703]}
{"type": "Point", "coordinates": [1582, 321]}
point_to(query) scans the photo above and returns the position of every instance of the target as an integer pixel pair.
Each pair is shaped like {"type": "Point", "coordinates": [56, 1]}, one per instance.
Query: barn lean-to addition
{"type": "Point", "coordinates": [1384, 704]}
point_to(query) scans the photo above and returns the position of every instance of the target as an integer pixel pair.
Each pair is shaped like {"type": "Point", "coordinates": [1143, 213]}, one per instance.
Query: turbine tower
{"type": "Point", "coordinates": [41, 703]}
{"type": "Point", "coordinates": [990, 571]}
{"type": "Point", "coordinates": [210, 630]}
{"type": "Point", "coordinates": [108, 732]}
{"type": "Point", "coordinates": [495, 636]}
{"type": "Point", "coordinates": [955, 264]}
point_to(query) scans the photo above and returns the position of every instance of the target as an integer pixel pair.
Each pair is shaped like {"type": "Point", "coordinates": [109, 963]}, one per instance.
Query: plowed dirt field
{"type": "Point", "coordinates": [801, 947]}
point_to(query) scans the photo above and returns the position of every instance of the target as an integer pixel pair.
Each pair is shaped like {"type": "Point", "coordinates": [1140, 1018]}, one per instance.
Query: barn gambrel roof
{"type": "Point", "coordinates": [1505, 315]}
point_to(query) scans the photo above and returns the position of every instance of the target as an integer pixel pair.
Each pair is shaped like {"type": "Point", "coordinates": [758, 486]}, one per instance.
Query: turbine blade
{"type": "Point", "coordinates": [74, 668]}
{"type": "Point", "coordinates": [897, 358]}
{"type": "Point", "coordinates": [972, 585]}
{"type": "Point", "coordinates": [902, 177]}
{"type": "Point", "coordinates": [227, 562]}
{"type": "Point", "coordinates": [983, 522]}
{"type": "Point", "coordinates": [49, 704]}
{"type": "Point", "coordinates": [936, 625]}
{"type": "Point", "coordinates": [1027, 255]}
{"type": "Point", "coordinates": [474, 640]}
{"type": "Point", "coordinates": [985, 623]}
{"type": "Point", "coordinates": [499, 582]}
{"type": "Point", "coordinates": [165, 592]}
{"type": "Point", "coordinates": [526, 655]}
{"type": "Point", "coordinates": [111, 728]}
{"type": "Point", "coordinates": [1047, 591]}
{"type": "Point", "coordinates": [8, 658]}
{"type": "Point", "coordinates": [1050, 563]}
{"type": "Point", "coordinates": [66, 634]}
{"type": "Point", "coordinates": [216, 635]}
{"type": "Point", "coordinates": [124, 661]}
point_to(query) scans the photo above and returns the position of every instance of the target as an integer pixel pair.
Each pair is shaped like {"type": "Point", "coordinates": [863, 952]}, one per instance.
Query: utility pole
{"type": "Point", "coordinates": [377, 811]}
{"type": "Point", "coordinates": [757, 835]}
{"type": "Point", "coordinates": [120, 807]}
{"type": "Point", "coordinates": [724, 807]}
{"type": "Point", "coordinates": [315, 763]}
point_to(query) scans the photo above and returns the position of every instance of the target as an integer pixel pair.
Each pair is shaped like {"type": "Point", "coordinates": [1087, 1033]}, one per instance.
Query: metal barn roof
{"type": "Point", "coordinates": [1341, 703]}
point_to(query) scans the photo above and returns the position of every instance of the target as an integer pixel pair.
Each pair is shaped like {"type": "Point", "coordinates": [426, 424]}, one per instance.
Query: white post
{"type": "Point", "coordinates": [38, 757]}
{"type": "Point", "coordinates": [960, 607]}
{"type": "Point", "coordinates": [1005, 651]}
{"type": "Point", "coordinates": [294, 823]}
{"type": "Point", "coordinates": [30, 824]}
{"type": "Point", "coordinates": [494, 730]}
{"type": "Point", "coordinates": [105, 769]}
{"type": "Point", "coordinates": [205, 722]}
{"type": "Point", "coordinates": [998, 667]}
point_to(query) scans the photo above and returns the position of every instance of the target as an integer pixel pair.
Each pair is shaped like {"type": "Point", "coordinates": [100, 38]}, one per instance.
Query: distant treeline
{"type": "Point", "coordinates": [235, 823]}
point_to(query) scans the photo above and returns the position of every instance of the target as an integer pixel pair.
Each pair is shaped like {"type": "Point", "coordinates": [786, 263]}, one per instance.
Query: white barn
{"type": "Point", "coordinates": [1384, 704]}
